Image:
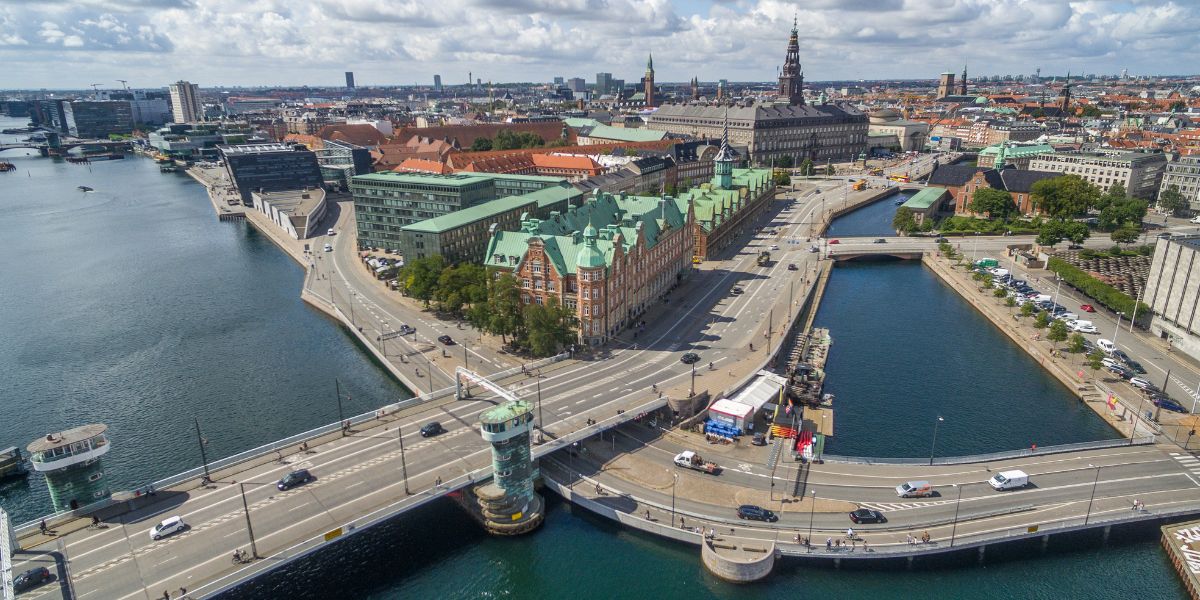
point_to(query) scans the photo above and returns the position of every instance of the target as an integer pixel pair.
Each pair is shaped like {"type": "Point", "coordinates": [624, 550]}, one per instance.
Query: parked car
{"type": "Point", "coordinates": [295, 478]}
{"type": "Point", "coordinates": [31, 579]}
{"type": "Point", "coordinates": [866, 515]}
{"type": "Point", "coordinates": [940, 240]}
{"type": "Point", "coordinates": [756, 513]}
{"type": "Point", "coordinates": [330, 232]}
{"type": "Point", "coordinates": [1084, 327]}
{"type": "Point", "coordinates": [792, 267]}
{"type": "Point", "coordinates": [1135, 365]}
{"type": "Point", "coordinates": [1106, 345]}
{"type": "Point", "coordinates": [167, 527]}
{"type": "Point", "coordinates": [759, 439]}
{"type": "Point", "coordinates": [1087, 308]}
{"type": "Point", "coordinates": [689, 358]}
{"type": "Point", "coordinates": [431, 429]}
{"type": "Point", "coordinates": [1120, 371]}
{"type": "Point", "coordinates": [880, 241]}
{"type": "Point", "coordinates": [1142, 383]}
{"type": "Point", "coordinates": [445, 339]}
{"type": "Point", "coordinates": [834, 242]}
{"type": "Point", "coordinates": [1169, 404]}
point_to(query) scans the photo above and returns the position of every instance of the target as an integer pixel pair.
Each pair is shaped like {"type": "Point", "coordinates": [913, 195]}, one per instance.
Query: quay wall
{"type": "Point", "coordinates": [738, 570]}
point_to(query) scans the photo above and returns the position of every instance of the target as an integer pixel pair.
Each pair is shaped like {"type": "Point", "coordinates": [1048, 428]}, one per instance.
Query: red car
{"type": "Point", "coordinates": [833, 241]}
{"type": "Point", "coordinates": [1086, 308]}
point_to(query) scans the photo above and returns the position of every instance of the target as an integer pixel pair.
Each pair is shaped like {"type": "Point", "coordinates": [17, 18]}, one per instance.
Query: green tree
{"type": "Point", "coordinates": [1089, 111]}
{"type": "Point", "coordinates": [781, 178]}
{"type": "Point", "coordinates": [461, 285]}
{"type": "Point", "coordinates": [1064, 197]}
{"type": "Point", "coordinates": [1051, 233]}
{"type": "Point", "coordinates": [1026, 309]}
{"type": "Point", "coordinates": [806, 168]}
{"type": "Point", "coordinates": [1125, 234]}
{"type": "Point", "coordinates": [904, 221]}
{"type": "Point", "coordinates": [1170, 200]}
{"type": "Point", "coordinates": [420, 277]}
{"type": "Point", "coordinates": [785, 162]}
{"type": "Point", "coordinates": [1057, 333]}
{"type": "Point", "coordinates": [1042, 320]}
{"type": "Point", "coordinates": [1178, 106]}
{"type": "Point", "coordinates": [999, 293]}
{"type": "Point", "coordinates": [988, 282]}
{"type": "Point", "coordinates": [1095, 361]}
{"type": "Point", "coordinates": [1010, 302]}
{"type": "Point", "coordinates": [1076, 232]}
{"type": "Point", "coordinates": [481, 144]}
{"type": "Point", "coordinates": [550, 326]}
{"type": "Point", "coordinates": [996, 204]}
{"type": "Point", "coordinates": [504, 306]}
{"type": "Point", "coordinates": [1076, 344]}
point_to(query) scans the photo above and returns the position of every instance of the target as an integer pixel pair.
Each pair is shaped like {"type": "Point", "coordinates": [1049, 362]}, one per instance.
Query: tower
{"type": "Point", "coordinates": [791, 78]}
{"type": "Point", "coordinates": [649, 82]}
{"type": "Point", "coordinates": [723, 161]}
{"type": "Point", "coordinates": [185, 102]}
{"type": "Point", "coordinates": [71, 462]}
{"type": "Point", "coordinates": [1066, 94]}
{"type": "Point", "coordinates": [945, 85]}
{"type": "Point", "coordinates": [509, 504]}
{"type": "Point", "coordinates": [962, 85]}
{"type": "Point", "coordinates": [695, 88]}
{"type": "Point", "coordinates": [349, 80]}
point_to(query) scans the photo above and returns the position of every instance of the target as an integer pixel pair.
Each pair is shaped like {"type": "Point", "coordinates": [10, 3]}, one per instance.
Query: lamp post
{"type": "Point", "coordinates": [692, 390]}
{"type": "Point", "coordinates": [811, 509]}
{"type": "Point", "coordinates": [203, 455]}
{"type": "Point", "coordinates": [1118, 329]}
{"type": "Point", "coordinates": [674, 480]}
{"type": "Point", "coordinates": [1093, 496]}
{"type": "Point", "coordinates": [957, 505]}
{"type": "Point", "coordinates": [249, 528]}
{"type": "Point", "coordinates": [341, 419]}
{"type": "Point", "coordinates": [403, 464]}
{"type": "Point", "coordinates": [933, 445]}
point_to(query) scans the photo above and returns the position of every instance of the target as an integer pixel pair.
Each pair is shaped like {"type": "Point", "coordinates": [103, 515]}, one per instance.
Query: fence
{"type": "Point", "coordinates": [6, 548]}
{"type": "Point", "coordinates": [993, 456]}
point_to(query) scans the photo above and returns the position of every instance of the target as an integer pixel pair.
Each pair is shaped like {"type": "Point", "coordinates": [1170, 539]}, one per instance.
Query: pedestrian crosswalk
{"type": "Point", "coordinates": [895, 506]}
{"type": "Point", "coordinates": [1183, 386]}
{"type": "Point", "coordinates": [1189, 462]}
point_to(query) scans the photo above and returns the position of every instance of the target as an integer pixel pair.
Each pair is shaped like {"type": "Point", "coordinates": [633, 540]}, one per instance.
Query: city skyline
{"type": "Point", "coordinates": [265, 42]}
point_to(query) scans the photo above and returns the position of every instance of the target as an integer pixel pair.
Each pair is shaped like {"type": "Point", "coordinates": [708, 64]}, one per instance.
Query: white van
{"type": "Point", "coordinates": [1106, 345]}
{"type": "Point", "coordinates": [914, 489]}
{"type": "Point", "coordinates": [1009, 480]}
{"type": "Point", "coordinates": [1195, 220]}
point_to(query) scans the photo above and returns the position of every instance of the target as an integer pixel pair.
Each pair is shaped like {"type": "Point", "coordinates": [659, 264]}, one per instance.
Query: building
{"type": "Point", "coordinates": [577, 85]}
{"type": "Point", "coordinates": [341, 161]}
{"type": "Point", "coordinates": [1184, 174]}
{"type": "Point", "coordinates": [567, 166]}
{"type": "Point", "coordinates": [962, 181]}
{"type": "Point", "coordinates": [728, 205]}
{"type": "Point", "coordinates": [237, 105]}
{"type": "Point", "coordinates": [1139, 172]}
{"type": "Point", "coordinates": [606, 260]}
{"type": "Point", "coordinates": [437, 83]}
{"type": "Point", "coordinates": [297, 212]}
{"type": "Point", "coordinates": [149, 108]}
{"type": "Point", "coordinates": [819, 132]}
{"type": "Point", "coordinates": [185, 102]}
{"type": "Point", "coordinates": [1017, 155]}
{"type": "Point", "coordinates": [349, 80]}
{"type": "Point", "coordinates": [928, 203]}
{"type": "Point", "coordinates": [463, 235]}
{"type": "Point", "coordinates": [50, 114]}
{"type": "Point", "coordinates": [1173, 292]}
{"type": "Point", "coordinates": [693, 162]}
{"type": "Point", "coordinates": [946, 85]}
{"type": "Point", "coordinates": [603, 83]}
{"type": "Point", "coordinates": [90, 119]}
{"type": "Point", "coordinates": [270, 168]}
{"type": "Point", "coordinates": [908, 135]}
{"type": "Point", "coordinates": [791, 76]}
{"type": "Point", "coordinates": [648, 83]}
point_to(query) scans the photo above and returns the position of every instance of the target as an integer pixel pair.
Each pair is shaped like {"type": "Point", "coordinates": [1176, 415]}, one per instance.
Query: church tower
{"type": "Point", "coordinates": [649, 82]}
{"type": "Point", "coordinates": [962, 85]}
{"type": "Point", "coordinates": [695, 88]}
{"type": "Point", "coordinates": [723, 161]}
{"type": "Point", "coordinates": [791, 78]}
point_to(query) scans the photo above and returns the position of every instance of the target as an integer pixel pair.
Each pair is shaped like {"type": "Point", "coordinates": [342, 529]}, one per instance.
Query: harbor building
{"type": "Point", "coordinates": [509, 504]}
{"type": "Point", "coordinates": [1184, 174]}
{"type": "Point", "coordinates": [1139, 172]}
{"type": "Point", "coordinates": [1173, 292]}
{"type": "Point", "coordinates": [270, 168]}
{"type": "Point", "coordinates": [296, 212]}
{"type": "Point", "coordinates": [70, 460]}
{"type": "Point", "coordinates": [185, 102]}
{"type": "Point", "coordinates": [90, 120]}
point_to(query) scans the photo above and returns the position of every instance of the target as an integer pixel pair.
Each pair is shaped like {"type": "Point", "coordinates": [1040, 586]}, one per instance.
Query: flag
{"type": "Point", "coordinates": [1112, 402]}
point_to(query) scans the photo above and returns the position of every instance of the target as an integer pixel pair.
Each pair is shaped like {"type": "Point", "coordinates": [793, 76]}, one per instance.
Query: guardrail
{"type": "Point", "coordinates": [277, 445]}
{"type": "Point", "coordinates": [993, 456]}
{"type": "Point", "coordinates": [6, 565]}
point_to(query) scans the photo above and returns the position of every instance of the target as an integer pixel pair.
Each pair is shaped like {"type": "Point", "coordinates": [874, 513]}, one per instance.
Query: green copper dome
{"type": "Point", "coordinates": [589, 256]}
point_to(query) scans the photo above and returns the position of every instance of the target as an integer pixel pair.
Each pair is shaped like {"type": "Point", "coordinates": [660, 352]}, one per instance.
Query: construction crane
{"type": "Point", "coordinates": [96, 87]}
{"type": "Point", "coordinates": [124, 83]}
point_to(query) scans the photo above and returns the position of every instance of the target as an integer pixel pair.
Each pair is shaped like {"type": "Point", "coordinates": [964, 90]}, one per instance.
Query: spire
{"type": "Point", "coordinates": [723, 161]}
{"type": "Point", "coordinates": [650, 63]}
{"type": "Point", "coordinates": [791, 81]}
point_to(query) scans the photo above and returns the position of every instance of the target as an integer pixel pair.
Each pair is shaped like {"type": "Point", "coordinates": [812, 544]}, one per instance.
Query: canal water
{"type": "Point", "coordinates": [133, 306]}
{"type": "Point", "coordinates": [872, 220]}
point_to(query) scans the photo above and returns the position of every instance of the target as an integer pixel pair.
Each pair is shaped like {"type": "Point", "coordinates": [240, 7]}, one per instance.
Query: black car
{"type": "Point", "coordinates": [295, 478]}
{"type": "Point", "coordinates": [689, 358]}
{"type": "Point", "coordinates": [736, 290]}
{"type": "Point", "coordinates": [756, 513]}
{"type": "Point", "coordinates": [1120, 355]}
{"type": "Point", "coordinates": [1169, 404]}
{"type": "Point", "coordinates": [445, 339]}
{"type": "Point", "coordinates": [31, 579]}
{"type": "Point", "coordinates": [431, 429]}
{"type": "Point", "coordinates": [792, 266]}
{"type": "Point", "coordinates": [940, 240]}
{"type": "Point", "coordinates": [405, 329]}
{"type": "Point", "coordinates": [866, 515]}
{"type": "Point", "coordinates": [759, 439]}
{"type": "Point", "coordinates": [879, 241]}
{"type": "Point", "coordinates": [1120, 371]}
{"type": "Point", "coordinates": [1135, 365]}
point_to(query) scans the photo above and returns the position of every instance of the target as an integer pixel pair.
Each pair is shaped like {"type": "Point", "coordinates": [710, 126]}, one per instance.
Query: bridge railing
{"type": "Point", "coordinates": [993, 456]}
{"type": "Point", "coordinates": [277, 446]}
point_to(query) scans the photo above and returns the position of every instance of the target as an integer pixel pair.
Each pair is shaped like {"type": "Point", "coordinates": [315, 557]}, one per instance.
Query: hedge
{"type": "Point", "coordinates": [1104, 294]}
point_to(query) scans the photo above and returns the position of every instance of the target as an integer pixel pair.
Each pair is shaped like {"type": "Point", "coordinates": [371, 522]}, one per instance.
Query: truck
{"type": "Point", "coordinates": [764, 258]}
{"type": "Point", "coordinates": [1009, 480]}
{"type": "Point", "coordinates": [691, 460]}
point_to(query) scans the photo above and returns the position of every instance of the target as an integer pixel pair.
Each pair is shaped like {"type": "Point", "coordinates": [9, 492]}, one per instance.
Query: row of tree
{"type": "Point", "coordinates": [491, 301]}
{"type": "Point", "coordinates": [510, 140]}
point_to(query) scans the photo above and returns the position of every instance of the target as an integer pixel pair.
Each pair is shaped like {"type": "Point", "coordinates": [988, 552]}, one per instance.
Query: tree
{"type": "Point", "coordinates": [1051, 233]}
{"type": "Point", "coordinates": [996, 204]}
{"type": "Point", "coordinates": [503, 305]}
{"type": "Point", "coordinates": [481, 144]}
{"type": "Point", "coordinates": [461, 285]}
{"type": "Point", "coordinates": [999, 293]}
{"type": "Point", "coordinates": [785, 162]}
{"type": "Point", "coordinates": [1057, 333]}
{"type": "Point", "coordinates": [904, 221]}
{"type": "Point", "coordinates": [549, 327]}
{"type": "Point", "coordinates": [1178, 106]}
{"type": "Point", "coordinates": [988, 282]}
{"type": "Point", "coordinates": [1042, 320]}
{"type": "Point", "coordinates": [1172, 201]}
{"type": "Point", "coordinates": [806, 167]}
{"type": "Point", "coordinates": [421, 275]}
{"type": "Point", "coordinates": [1076, 232]}
{"type": "Point", "coordinates": [1026, 309]}
{"type": "Point", "coordinates": [1076, 344]}
{"type": "Point", "coordinates": [1095, 361]}
{"type": "Point", "coordinates": [1010, 302]}
{"type": "Point", "coordinates": [1089, 111]}
{"type": "Point", "coordinates": [1064, 197]}
{"type": "Point", "coordinates": [1125, 234]}
{"type": "Point", "coordinates": [781, 178]}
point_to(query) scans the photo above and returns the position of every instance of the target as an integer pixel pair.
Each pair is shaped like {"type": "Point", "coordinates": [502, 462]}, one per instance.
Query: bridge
{"type": "Point", "coordinates": [45, 148]}
{"type": "Point", "coordinates": [375, 466]}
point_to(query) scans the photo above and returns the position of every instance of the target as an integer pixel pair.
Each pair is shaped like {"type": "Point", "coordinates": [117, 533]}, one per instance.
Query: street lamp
{"type": "Point", "coordinates": [403, 464]}
{"type": "Point", "coordinates": [249, 528]}
{"type": "Point", "coordinates": [957, 505]}
{"type": "Point", "coordinates": [933, 445]}
{"type": "Point", "coordinates": [811, 509]}
{"type": "Point", "coordinates": [1118, 329]}
{"type": "Point", "coordinates": [1093, 496]}
{"type": "Point", "coordinates": [203, 455]}
{"type": "Point", "coordinates": [692, 390]}
{"type": "Point", "coordinates": [674, 480]}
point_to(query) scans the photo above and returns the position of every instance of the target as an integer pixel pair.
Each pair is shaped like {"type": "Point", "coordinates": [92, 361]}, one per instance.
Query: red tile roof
{"type": "Point", "coordinates": [422, 165]}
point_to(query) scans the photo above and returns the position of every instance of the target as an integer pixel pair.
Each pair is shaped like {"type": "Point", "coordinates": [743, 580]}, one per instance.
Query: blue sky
{"type": "Point", "coordinates": [73, 43]}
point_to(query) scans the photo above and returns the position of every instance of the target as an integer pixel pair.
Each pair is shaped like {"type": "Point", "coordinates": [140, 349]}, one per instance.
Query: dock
{"type": "Point", "coordinates": [1182, 544]}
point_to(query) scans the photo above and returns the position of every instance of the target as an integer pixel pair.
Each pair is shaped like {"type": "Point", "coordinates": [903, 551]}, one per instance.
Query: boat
{"type": "Point", "coordinates": [899, 202]}
{"type": "Point", "coordinates": [84, 188]}
{"type": "Point", "coordinates": [167, 168]}
{"type": "Point", "coordinates": [7, 166]}
{"type": "Point", "coordinates": [12, 464]}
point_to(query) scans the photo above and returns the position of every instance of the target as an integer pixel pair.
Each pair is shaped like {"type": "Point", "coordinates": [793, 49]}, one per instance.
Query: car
{"type": "Point", "coordinates": [1120, 355]}
{"type": "Point", "coordinates": [431, 429]}
{"type": "Point", "coordinates": [736, 291]}
{"type": "Point", "coordinates": [1087, 308]}
{"type": "Point", "coordinates": [445, 339]}
{"type": "Point", "coordinates": [31, 579]}
{"type": "Point", "coordinates": [1169, 404]}
{"type": "Point", "coordinates": [169, 526]}
{"type": "Point", "coordinates": [759, 439]}
{"type": "Point", "coordinates": [914, 489]}
{"type": "Point", "coordinates": [329, 247]}
{"type": "Point", "coordinates": [331, 232]}
{"type": "Point", "coordinates": [1136, 366]}
{"type": "Point", "coordinates": [792, 267]}
{"type": "Point", "coordinates": [295, 478]}
{"type": "Point", "coordinates": [756, 513]}
{"type": "Point", "coordinates": [405, 329]}
{"type": "Point", "coordinates": [866, 515]}
{"type": "Point", "coordinates": [1194, 220]}
{"type": "Point", "coordinates": [834, 242]}
{"type": "Point", "coordinates": [1120, 371]}
{"type": "Point", "coordinates": [774, 246]}
{"type": "Point", "coordinates": [1110, 362]}
{"type": "Point", "coordinates": [940, 240]}
{"type": "Point", "coordinates": [880, 241]}
{"type": "Point", "coordinates": [1142, 383]}
{"type": "Point", "coordinates": [689, 358]}
{"type": "Point", "coordinates": [1064, 314]}
{"type": "Point", "coordinates": [1084, 328]}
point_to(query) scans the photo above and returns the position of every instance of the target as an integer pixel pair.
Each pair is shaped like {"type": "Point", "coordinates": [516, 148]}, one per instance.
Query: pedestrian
{"type": "Point", "coordinates": [681, 523]}
{"type": "Point", "coordinates": [647, 514]}
{"type": "Point", "coordinates": [43, 527]}
{"type": "Point", "coordinates": [911, 540]}
{"type": "Point", "coordinates": [925, 537]}
{"type": "Point", "coordinates": [865, 549]}
{"type": "Point", "coordinates": [166, 595]}
{"type": "Point", "coordinates": [182, 592]}
{"type": "Point", "coordinates": [828, 544]}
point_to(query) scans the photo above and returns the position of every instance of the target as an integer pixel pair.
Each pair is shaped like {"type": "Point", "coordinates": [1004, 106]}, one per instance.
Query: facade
{"type": "Point", "coordinates": [50, 114]}
{"type": "Point", "coordinates": [340, 161]}
{"type": "Point", "coordinates": [946, 85]}
{"type": "Point", "coordinates": [730, 203]}
{"type": "Point", "coordinates": [928, 203]}
{"type": "Point", "coordinates": [350, 80]}
{"type": "Point", "coordinates": [693, 162]}
{"type": "Point", "coordinates": [98, 119]}
{"type": "Point", "coordinates": [606, 260]}
{"type": "Point", "coordinates": [577, 85]}
{"type": "Point", "coordinates": [909, 135]}
{"type": "Point", "coordinates": [648, 83]}
{"type": "Point", "coordinates": [1018, 156]}
{"type": "Point", "coordinates": [1140, 172]}
{"type": "Point", "coordinates": [962, 181]}
{"type": "Point", "coordinates": [604, 83]}
{"type": "Point", "coordinates": [297, 212]}
{"type": "Point", "coordinates": [185, 102]}
{"type": "Point", "coordinates": [1173, 292]}
{"type": "Point", "coordinates": [463, 235]}
{"type": "Point", "coordinates": [236, 105]}
{"type": "Point", "coordinates": [1184, 174]}
{"type": "Point", "coordinates": [270, 168]}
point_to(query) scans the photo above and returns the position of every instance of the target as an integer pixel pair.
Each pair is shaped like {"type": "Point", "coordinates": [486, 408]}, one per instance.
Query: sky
{"type": "Point", "coordinates": [74, 43]}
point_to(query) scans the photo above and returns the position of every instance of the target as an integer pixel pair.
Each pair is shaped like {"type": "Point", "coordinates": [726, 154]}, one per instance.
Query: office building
{"type": "Point", "coordinates": [50, 114]}
{"type": "Point", "coordinates": [1139, 172]}
{"type": "Point", "coordinates": [90, 119]}
{"type": "Point", "coordinates": [1184, 175]}
{"type": "Point", "coordinates": [185, 102]}
{"type": "Point", "coordinates": [270, 168]}
{"type": "Point", "coordinates": [604, 83]}
{"type": "Point", "coordinates": [340, 161]}
{"type": "Point", "coordinates": [350, 80]}
{"type": "Point", "coordinates": [577, 85]}
{"type": "Point", "coordinates": [437, 83]}
{"type": "Point", "coordinates": [1173, 292]}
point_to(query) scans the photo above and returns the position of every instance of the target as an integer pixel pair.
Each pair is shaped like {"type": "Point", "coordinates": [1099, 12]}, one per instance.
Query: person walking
{"type": "Point", "coordinates": [828, 544]}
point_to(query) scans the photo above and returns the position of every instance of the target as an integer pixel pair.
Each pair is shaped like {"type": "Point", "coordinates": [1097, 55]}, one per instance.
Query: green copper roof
{"type": "Point", "coordinates": [506, 412]}
{"type": "Point", "coordinates": [1011, 152]}
{"type": "Point", "coordinates": [626, 134]}
{"type": "Point", "coordinates": [924, 198]}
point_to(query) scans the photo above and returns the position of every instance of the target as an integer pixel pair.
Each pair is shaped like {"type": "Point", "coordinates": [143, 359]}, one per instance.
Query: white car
{"type": "Point", "coordinates": [1141, 384]}
{"type": "Point", "coordinates": [329, 247]}
{"type": "Point", "coordinates": [1082, 327]}
{"type": "Point", "coordinates": [1195, 220]}
{"type": "Point", "coordinates": [330, 232]}
{"type": "Point", "coordinates": [169, 526]}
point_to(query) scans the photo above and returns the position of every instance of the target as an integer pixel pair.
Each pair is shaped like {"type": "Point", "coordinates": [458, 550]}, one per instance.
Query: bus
{"type": "Point", "coordinates": [859, 185]}
{"type": "Point", "coordinates": [900, 178]}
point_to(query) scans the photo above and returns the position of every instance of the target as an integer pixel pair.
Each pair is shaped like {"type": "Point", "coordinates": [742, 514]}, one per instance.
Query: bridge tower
{"type": "Point", "coordinates": [71, 462]}
{"type": "Point", "coordinates": [509, 504]}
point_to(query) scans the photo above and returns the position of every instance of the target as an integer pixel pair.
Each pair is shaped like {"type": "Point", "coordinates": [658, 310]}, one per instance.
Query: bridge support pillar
{"type": "Point", "coordinates": [1045, 542]}
{"type": "Point", "coordinates": [908, 562]}
{"type": "Point", "coordinates": [981, 553]}
{"type": "Point", "coordinates": [1107, 531]}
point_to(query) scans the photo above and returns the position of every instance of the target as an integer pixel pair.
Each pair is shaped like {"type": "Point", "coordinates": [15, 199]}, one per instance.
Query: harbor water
{"type": "Point", "coordinates": [872, 220]}
{"type": "Point", "coordinates": [133, 306]}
